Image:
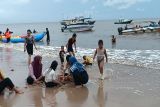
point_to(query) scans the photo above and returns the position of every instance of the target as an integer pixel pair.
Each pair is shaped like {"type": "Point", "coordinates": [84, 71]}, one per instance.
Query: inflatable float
{"type": "Point", "coordinates": [21, 39]}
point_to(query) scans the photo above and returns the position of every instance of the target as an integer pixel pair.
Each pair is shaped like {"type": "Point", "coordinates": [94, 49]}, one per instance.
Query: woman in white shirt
{"type": "Point", "coordinates": [50, 75]}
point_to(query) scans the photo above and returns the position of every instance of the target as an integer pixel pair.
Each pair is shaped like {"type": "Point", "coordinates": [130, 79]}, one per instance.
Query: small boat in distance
{"type": "Point", "coordinates": [140, 27]}
{"type": "Point", "coordinates": [123, 21]}
{"type": "Point", "coordinates": [78, 20]}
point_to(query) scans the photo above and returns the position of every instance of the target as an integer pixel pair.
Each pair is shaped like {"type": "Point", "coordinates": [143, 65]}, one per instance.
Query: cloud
{"type": "Point", "coordinates": [122, 4]}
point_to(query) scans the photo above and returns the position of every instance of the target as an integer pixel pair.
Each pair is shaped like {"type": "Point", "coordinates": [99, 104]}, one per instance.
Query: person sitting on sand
{"type": "Point", "coordinates": [7, 83]}
{"type": "Point", "coordinates": [87, 60]}
{"type": "Point", "coordinates": [78, 72]}
{"type": "Point", "coordinates": [65, 76]}
{"type": "Point", "coordinates": [113, 39]}
{"type": "Point", "coordinates": [35, 70]}
{"type": "Point", "coordinates": [51, 79]}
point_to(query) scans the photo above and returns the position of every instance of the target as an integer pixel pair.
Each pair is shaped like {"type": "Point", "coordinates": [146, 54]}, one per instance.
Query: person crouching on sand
{"type": "Point", "coordinates": [35, 71]}
{"type": "Point", "coordinates": [28, 45]}
{"type": "Point", "coordinates": [87, 60]}
{"type": "Point", "coordinates": [7, 83]}
{"type": "Point", "coordinates": [78, 72]}
{"type": "Point", "coordinates": [50, 75]}
{"type": "Point", "coordinates": [101, 54]}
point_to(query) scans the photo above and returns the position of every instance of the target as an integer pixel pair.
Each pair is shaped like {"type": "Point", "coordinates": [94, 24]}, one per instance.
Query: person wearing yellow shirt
{"type": "Point", "coordinates": [87, 60]}
{"type": "Point", "coordinates": [7, 83]}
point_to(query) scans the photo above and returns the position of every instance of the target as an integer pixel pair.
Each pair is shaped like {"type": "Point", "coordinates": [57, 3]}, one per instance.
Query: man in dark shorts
{"type": "Point", "coordinates": [70, 43]}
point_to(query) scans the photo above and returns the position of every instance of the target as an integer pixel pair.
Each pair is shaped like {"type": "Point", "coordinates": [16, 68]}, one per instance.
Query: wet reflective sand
{"type": "Point", "coordinates": [124, 86]}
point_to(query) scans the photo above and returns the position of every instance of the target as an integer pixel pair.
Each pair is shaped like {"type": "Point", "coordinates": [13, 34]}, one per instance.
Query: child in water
{"type": "Point", "coordinates": [87, 60]}
{"type": "Point", "coordinates": [101, 54]}
{"type": "Point", "coordinates": [61, 55]}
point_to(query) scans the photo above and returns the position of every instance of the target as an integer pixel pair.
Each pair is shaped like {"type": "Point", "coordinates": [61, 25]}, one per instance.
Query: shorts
{"type": "Point", "coordinates": [29, 48]}
{"type": "Point", "coordinates": [8, 40]}
{"type": "Point", "coordinates": [50, 84]}
{"type": "Point", "coordinates": [70, 49]}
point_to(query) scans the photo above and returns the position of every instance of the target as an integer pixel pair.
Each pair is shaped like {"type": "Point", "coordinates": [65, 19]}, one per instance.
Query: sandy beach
{"type": "Point", "coordinates": [124, 86]}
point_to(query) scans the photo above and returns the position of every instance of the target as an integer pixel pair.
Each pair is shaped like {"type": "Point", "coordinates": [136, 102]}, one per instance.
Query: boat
{"type": "Point", "coordinates": [21, 39]}
{"type": "Point", "coordinates": [140, 27]}
{"type": "Point", "coordinates": [123, 21]}
{"type": "Point", "coordinates": [77, 21]}
{"type": "Point", "coordinates": [77, 28]}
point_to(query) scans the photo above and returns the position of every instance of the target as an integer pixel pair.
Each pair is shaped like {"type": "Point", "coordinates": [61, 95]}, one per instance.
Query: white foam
{"type": "Point", "coordinates": [143, 58]}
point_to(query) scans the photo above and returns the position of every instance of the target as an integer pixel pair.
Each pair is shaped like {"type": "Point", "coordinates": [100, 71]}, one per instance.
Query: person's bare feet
{"type": "Point", "coordinates": [17, 91]}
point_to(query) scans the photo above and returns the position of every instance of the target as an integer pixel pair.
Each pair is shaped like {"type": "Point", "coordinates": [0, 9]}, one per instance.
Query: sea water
{"type": "Point", "coordinates": [137, 49]}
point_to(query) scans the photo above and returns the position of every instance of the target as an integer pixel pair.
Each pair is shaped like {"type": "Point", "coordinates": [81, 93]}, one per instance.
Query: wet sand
{"type": "Point", "coordinates": [124, 86]}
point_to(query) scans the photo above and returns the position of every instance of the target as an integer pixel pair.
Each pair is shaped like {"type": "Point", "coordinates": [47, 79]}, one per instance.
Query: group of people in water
{"type": "Point", "coordinates": [7, 35]}
{"type": "Point", "coordinates": [76, 70]}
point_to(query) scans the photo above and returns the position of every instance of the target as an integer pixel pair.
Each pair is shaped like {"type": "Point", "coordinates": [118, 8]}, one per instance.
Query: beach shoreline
{"type": "Point", "coordinates": [125, 86]}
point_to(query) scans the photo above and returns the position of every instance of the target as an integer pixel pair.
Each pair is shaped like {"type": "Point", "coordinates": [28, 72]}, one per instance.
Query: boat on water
{"type": "Point", "coordinates": [79, 24]}
{"type": "Point", "coordinates": [77, 28]}
{"type": "Point", "coordinates": [77, 21]}
{"type": "Point", "coordinates": [140, 27]}
{"type": "Point", "coordinates": [21, 39]}
{"type": "Point", "coordinates": [123, 21]}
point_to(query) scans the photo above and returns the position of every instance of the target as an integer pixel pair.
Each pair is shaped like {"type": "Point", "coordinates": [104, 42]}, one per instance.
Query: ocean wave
{"type": "Point", "coordinates": [142, 58]}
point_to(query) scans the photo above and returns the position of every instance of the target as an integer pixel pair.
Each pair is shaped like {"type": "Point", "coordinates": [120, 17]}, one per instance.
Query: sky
{"type": "Point", "coordinates": [28, 11]}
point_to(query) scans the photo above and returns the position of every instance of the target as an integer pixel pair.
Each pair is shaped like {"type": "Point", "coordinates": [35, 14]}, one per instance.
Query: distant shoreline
{"type": "Point", "coordinates": [61, 19]}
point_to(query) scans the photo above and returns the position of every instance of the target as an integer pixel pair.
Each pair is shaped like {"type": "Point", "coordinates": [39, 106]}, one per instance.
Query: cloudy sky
{"type": "Point", "coordinates": [19, 11]}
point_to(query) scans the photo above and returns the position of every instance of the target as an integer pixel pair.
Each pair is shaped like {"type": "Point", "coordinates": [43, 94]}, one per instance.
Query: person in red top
{"type": "Point", "coordinates": [70, 43]}
{"type": "Point", "coordinates": [8, 35]}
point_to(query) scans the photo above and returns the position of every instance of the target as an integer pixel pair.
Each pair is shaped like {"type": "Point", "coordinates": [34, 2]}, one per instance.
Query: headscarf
{"type": "Point", "coordinates": [37, 66]}
{"type": "Point", "coordinates": [54, 65]}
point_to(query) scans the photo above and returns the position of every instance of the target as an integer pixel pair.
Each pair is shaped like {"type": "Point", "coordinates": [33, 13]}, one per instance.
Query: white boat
{"type": "Point", "coordinates": [148, 26]}
{"type": "Point", "coordinates": [77, 28]}
{"type": "Point", "coordinates": [77, 21]}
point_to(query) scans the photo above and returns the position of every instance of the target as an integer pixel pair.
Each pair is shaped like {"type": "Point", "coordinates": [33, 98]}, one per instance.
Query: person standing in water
{"type": "Point", "coordinates": [28, 45]}
{"type": "Point", "coordinates": [113, 39]}
{"type": "Point", "coordinates": [101, 54]}
{"type": "Point", "coordinates": [70, 43]}
{"type": "Point", "coordinates": [8, 35]}
{"type": "Point", "coordinates": [48, 36]}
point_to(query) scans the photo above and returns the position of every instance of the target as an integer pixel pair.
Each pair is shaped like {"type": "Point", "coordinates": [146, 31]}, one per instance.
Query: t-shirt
{"type": "Point", "coordinates": [71, 42]}
{"type": "Point", "coordinates": [50, 75]}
